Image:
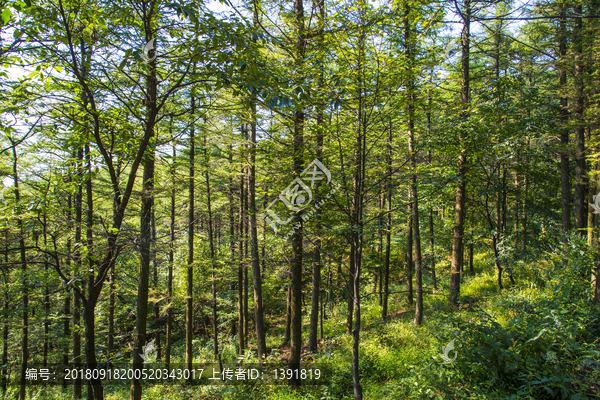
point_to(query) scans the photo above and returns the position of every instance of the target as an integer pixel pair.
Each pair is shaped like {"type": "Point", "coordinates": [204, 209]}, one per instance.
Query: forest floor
{"type": "Point", "coordinates": [532, 340]}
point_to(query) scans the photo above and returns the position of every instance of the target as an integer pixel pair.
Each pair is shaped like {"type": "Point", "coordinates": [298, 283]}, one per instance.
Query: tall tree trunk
{"type": "Point", "coordinates": [524, 204]}
{"type": "Point", "coordinates": [25, 287]}
{"type": "Point", "coordinates": [95, 389]}
{"type": "Point", "coordinates": [212, 254]}
{"type": "Point", "coordinates": [146, 213]}
{"type": "Point", "coordinates": [579, 196]}
{"type": "Point", "coordinates": [564, 130]}
{"type": "Point", "coordinates": [156, 288]}
{"type": "Point", "coordinates": [256, 275]}
{"type": "Point", "coordinates": [67, 304]}
{"type": "Point", "coordinates": [431, 236]}
{"type": "Point", "coordinates": [77, 389]}
{"type": "Point", "coordinates": [459, 208]}
{"type": "Point", "coordinates": [242, 334]}
{"type": "Point", "coordinates": [298, 157]}
{"type": "Point", "coordinates": [245, 241]}
{"type": "Point", "coordinates": [169, 329]}
{"type": "Point", "coordinates": [143, 270]}
{"type": "Point", "coordinates": [413, 178]}
{"type": "Point", "coordinates": [388, 227]}
{"type": "Point", "coordinates": [316, 278]}
{"type": "Point", "coordinates": [46, 297]}
{"type": "Point", "coordinates": [231, 225]}
{"type": "Point", "coordinates": [189, 309]}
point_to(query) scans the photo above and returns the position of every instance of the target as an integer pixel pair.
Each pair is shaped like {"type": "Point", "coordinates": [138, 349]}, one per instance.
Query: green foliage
{"type": "Point", "coordinates": [537, 354]}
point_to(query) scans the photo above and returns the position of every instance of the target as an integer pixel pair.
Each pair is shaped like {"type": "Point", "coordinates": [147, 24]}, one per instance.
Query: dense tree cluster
{"type": "Point", "coordinates": [174, 173]}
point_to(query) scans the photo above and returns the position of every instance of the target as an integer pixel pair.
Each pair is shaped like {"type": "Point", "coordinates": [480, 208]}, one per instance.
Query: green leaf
{"type": "Point", "coordinates": [6, 16]}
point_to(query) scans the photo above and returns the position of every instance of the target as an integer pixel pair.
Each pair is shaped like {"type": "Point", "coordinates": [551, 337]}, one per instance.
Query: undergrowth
{"type": "Point", "coordinates": [537, 339]}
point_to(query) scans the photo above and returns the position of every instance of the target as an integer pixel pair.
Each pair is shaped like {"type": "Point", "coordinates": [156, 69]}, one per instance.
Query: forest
{"type": "Point", "coordinates": [303, 199]}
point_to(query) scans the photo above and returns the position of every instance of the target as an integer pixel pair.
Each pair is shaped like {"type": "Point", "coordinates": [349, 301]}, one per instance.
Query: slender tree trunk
{"type": "Point", "coordinates": [231, 225]}
{"type": "Point", "coordinates": [356, 220]}
{"type": "Point", "coordinates": [388, 227]}
{"type": "Point", "coordinates": [5, 327]}
{"type": "Point", "coordinates": [579, 196]}
{"type": "Point", "coordinates": [517, 205]}
{"type": "Point", "coordinates": [495, 245]}
{"type": "Point", "coordinates": [432, 250]}
{"type": "Point", "coordinates": [524, 205]}
{"type": "Point", "coordinates": [77, 389]}
{"type": "Point", "coordinates": [255, 261]}
{"type": "Point", "coordinates": [67, 304]}
{"type": "Point", "coordinates": [143, 270]}
{"type": "Point", "coordinates": [246, 240]}
{"type": "Point", "coordinates": [146, 214]}
{"type": "Point", "coordinates": [596, 281]}
{"type": "Point", "coordinates": [497, 261]}
{"type": "Point", "coordinates": [564, 117]}
{"type": "Point", "coordinates": [350, 291]}
{"type": "Point", "coordinates": [25, 287]}
{"type": "Point", "coordinates": [46, 297]}
{"type": "Point", "coordinates": [95, 389]}
{"type": "Point", "coordinates": [212, 254]}
{"type": "Point", "coordinates": [156, 288]}
{"type": "Point", "coordinates": [409, 260]}
{"type": "Point", "coordinates": [288, 314]}
{"type": "Point", "coordinates": [242, 334]}
{"type": "Point", "coordinates": [111, 312]}
{"type": "Point", "coordinates": [459, 209]}
{"type": "Point", "coordinates": [316, 278]}
{"type": "Point", "coordinates": [169, 329]}
{"type": "Point", "coordinates": [471, 271]}
{"type": "Point", "coordinates": [297, 249]}
{"type": "Point", "coordinates": [413, 179]}
{"type": "Point", "coordinates": [189, 309]}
